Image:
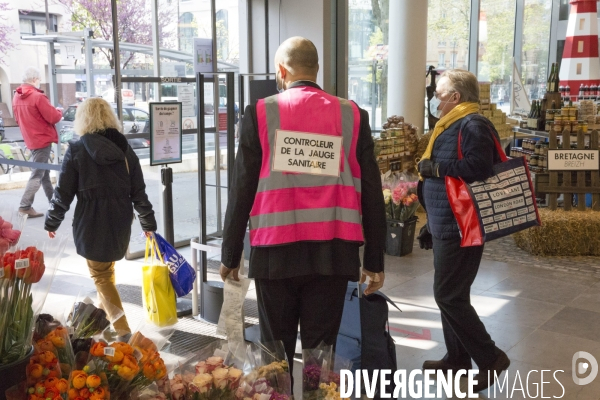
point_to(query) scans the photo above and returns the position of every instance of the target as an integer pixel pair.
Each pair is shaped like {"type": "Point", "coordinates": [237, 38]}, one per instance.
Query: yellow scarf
{"type": "Point", "coordinates": [458, 112]}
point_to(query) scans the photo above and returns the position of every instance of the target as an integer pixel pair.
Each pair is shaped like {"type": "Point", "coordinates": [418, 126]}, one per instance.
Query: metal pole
{"type": "Point", "coordinates": [267, 55]}
{"type": "Point", "coordinates": [195, 287]}
{"type": "Point", "coordinates": [116, 59]}
{"type": "Point", "coordinates": [89, 63]}
{"type": "Point", "coordinates": [166, 174]}
{"type": "Point", "coordinates": [47, 18]}
{"type": "Point", "coordinates": [156, 48]}
{"type": "Point", "coordinates": [201, 180]}
{"type": "Point", "coordinates": [216, 102]}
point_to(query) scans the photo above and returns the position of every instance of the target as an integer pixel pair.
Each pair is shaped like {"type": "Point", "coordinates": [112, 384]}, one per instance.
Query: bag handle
{"type": "Point", "coordinates": [154, 250]}
{"type": "Point", "coordinates": [361, 288]}
{"type": "Point", "coordinates": [499, 148]}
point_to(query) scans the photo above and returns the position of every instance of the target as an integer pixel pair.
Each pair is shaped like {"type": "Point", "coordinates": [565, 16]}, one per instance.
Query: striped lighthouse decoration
{"type": "Point", "coordinates": [580, 62]}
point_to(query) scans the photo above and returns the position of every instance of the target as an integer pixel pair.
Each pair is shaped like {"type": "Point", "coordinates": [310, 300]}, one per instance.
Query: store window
{"type": "Point", "coordinates": [368, 28]}
{"type": "Point", "coordinates": [448, 23]}
{"type": "Point", "coordinates": [496, 38]}
{"type": "Point", "coordinates": [578, 68]}
{"type": "Point", "coordinates": [563, 11]}
{"type": "Point", "coordinates": [536, 43]}
{"type": "Point", "coordinates": [34, 23]}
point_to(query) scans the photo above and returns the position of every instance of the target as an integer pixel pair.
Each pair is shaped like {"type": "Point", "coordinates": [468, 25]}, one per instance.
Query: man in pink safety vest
{"type": "Point", "coordinates": [306, 178]}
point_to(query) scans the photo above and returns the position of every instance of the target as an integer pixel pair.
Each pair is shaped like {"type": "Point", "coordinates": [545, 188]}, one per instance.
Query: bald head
{"type": "Point", "coordinates": [299, 57]}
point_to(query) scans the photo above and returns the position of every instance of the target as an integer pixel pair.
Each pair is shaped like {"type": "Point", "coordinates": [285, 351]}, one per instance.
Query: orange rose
{"type": "Point", "coordinates": [97, 349]}
{"type": "Point", "coordinates": [78, 379]}
{"type": "Point", "coordinates": [127, 373]}
{"type": "Point", "coordinates": [93, 381]}
{"type": "Point", "coordinates": [51, 382]}
{"type": "Point", "coordinates": [33, 397]}
{"type": "Point", "coordinates": [99, 394]}
{"type": "Point", "coordinates": [53, 370]}
{"type": "Point", "coordinates": [47, 357]}
{"type": "Point", "coordinates": [123, 348]}
{"type": "Point", "coordinates": [35, 371]}
{"type": "Point", "coordinates": [45, 345]}
{"type": "Point", "coordinates": [73, 393]}
{"type": "Point", "coordinates": [117, 358]}
{"type": "Point", "coordinates": [149, 371]}
{"type": "Point", "coordinates": [144, 354]}
{"type": "Point", "coordinates": [58, 342]}
{"type": "Point", "coordinates": [51, 393]}
{"type": "Point", "coordinates": [131, 362]}
{"type": "Point", "coordinates": [85, 393]}
{"type": "Point", "coordinates": [62, 385]}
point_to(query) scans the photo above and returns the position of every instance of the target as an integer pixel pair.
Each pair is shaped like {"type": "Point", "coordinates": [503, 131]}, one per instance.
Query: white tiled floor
{"type": "Point", "coordinates": [540, 317]}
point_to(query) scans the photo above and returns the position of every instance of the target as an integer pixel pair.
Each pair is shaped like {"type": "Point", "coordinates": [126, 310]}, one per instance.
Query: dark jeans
{"type": "Point", "coordinates": [39, 177]}
{"type": "Point", "coordinates": [314, 301]}
{"type": "Point", "coordinates": [465, 335]}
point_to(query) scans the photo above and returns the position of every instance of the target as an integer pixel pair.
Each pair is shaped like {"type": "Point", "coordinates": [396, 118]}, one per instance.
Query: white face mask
{"type": "Point", "coordinates": [434, 103]}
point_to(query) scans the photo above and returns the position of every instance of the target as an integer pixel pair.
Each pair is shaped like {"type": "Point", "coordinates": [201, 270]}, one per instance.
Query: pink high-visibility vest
{"type": "Point", "coordinates": [292, 207]}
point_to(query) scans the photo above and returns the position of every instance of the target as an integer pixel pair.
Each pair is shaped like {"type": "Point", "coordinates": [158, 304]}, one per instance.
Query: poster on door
{"type": "Point", "coordinates": [203, 55]}
{"type": "Point", "coordinates": [165, 133]}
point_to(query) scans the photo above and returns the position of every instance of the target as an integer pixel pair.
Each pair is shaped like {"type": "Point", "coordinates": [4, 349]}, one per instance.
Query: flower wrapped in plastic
{"type": "Point", "coordinates": [11, 225]}
{"type": "Point", "coordinates": [320, 373]}
{"type": "Point", "coordinates": [88, 380]}
{"type": "Point", "coordinates": [400, 195]}
{"type": "Point", "coordinates": [213, 373]}
{"type": "Point", "coordinates": [267, 373]}
{"type": "Point", "coordinates": [50, 335]}
{"type": "Point", "coordinates": [25, 278]}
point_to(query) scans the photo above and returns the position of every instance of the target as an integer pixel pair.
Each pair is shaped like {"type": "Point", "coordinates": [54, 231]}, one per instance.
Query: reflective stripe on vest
{"type": "Point", "coordinates": [292, 207]}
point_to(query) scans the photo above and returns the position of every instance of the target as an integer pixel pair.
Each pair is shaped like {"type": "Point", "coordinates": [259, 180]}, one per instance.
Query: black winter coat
{"type": "Point", "coordinates": [477, 164]}
{"type": "Point", "coordinates": [94, 170]}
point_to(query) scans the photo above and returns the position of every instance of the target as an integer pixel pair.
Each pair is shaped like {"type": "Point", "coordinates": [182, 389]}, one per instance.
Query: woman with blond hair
{"type": "Point", "coordinates": [105, 174]}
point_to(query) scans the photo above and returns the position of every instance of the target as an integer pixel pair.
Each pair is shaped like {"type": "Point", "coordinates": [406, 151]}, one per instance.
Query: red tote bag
{"type": "Point", "coordinates": [499, 206]}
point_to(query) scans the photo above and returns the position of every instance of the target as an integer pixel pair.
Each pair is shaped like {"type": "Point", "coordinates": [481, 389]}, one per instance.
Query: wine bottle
{"type": "Point", "coordinates": [556, 78]}
{"type": "Point", "coordinates": [550, 82]}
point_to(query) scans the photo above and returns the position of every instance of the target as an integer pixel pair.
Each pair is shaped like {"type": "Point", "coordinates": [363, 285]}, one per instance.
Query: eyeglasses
{"type": "Point", "coordinates": [437, 95]}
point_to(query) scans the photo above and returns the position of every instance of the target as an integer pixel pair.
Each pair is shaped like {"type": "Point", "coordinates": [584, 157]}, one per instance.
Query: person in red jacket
{"type": "Point", "coordinates": [36, 118]}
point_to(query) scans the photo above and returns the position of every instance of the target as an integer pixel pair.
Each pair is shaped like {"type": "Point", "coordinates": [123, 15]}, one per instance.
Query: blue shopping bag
{"type": "Point", "coordinates": [180, 271]}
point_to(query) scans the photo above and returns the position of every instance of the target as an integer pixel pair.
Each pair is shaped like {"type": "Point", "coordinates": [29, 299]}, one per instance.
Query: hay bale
{"type": "Point", "coordinates": [563, 233]}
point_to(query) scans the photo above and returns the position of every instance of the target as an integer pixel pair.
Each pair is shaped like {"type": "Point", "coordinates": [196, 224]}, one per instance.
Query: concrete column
{"type": "Point", "coordinates": [407, 55]}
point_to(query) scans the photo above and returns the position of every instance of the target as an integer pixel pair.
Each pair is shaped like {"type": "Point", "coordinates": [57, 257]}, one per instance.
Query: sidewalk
{"type": "Point", "coordinates": [541, 311]}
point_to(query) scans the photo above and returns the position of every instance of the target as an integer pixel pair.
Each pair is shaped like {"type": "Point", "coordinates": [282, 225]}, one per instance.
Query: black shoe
{"type": "Point", "coordinates": [493, 371]}
{"type": "Point", "coordinates": [444, 366]}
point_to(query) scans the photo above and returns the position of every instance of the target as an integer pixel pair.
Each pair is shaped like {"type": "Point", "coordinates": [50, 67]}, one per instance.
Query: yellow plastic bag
{"type": "Point", "coordinates": [158, 295]}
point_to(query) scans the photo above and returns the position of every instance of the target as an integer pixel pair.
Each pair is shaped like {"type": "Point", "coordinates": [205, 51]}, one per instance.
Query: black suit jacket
{"type": "Point", "coordinates": [336, 257]}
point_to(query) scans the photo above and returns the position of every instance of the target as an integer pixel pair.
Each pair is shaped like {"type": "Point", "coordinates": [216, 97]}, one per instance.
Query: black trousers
{"type": "Point", "coordinates": [314, 301]}
{"type": "Point", "coordinates": [465, 335]}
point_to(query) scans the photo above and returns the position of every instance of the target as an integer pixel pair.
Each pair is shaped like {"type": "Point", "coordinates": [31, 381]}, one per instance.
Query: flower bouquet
{"type": "Point", "coordinates": [89, 382]}
{"type": "Point", "coordinates": [268, 374]}
{"type": "Point", "coordinates": [50, 335]}
{"type": "Point", "coordinates": [25, 278]}
{"type": "Point", "coordinates": [400, 196]}
{"type": "Point", "coordinates": [11, 226]}
{"type": "Point", "coordinates": [210, 374]}
{"type": "Point", "coordinates": [319, 379]}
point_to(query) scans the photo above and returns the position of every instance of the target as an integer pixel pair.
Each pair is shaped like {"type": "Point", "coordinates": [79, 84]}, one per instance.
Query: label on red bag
{"type": "Point", "coordinates": [1, 273]}
{"type": "Point", "coordinates": [138, 354]}
{"type": "Point", "coordinates": [71, 330]}
{"type": "Point", "coordinates": [22, 263]}
{"type": "Point", "coordinates": [109, 351]}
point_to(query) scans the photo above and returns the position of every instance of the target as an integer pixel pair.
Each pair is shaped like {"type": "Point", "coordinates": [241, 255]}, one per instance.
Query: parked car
{"type": "Point", "coordinates": [68, 135]}
{"type": "Point", "coordinates": [135, 120]}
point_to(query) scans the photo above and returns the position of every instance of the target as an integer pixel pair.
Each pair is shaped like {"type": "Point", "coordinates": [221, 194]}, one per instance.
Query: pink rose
{"type": "Point", "coordinates": [178, 391]}
{"type": "Point", "coordinates": [202, 368]}
{"type": "Point", "coordinates": [12, 235]}
{"type": "Point", "coordinates": [6, 225]}
{"type": "Point", "coordinates": [214, 362]}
